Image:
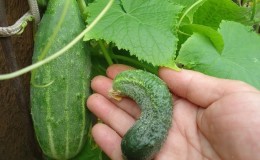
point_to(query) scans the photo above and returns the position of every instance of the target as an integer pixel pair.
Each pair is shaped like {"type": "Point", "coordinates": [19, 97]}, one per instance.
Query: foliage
{"type": "Point", "coordinates": [145, 28]}
{"type": "Point", "coordinates": [196, 34]}
{"type": "Point", "coordinates": [213, 37]}
{"type": "Point", "coordinates": [239, 59]}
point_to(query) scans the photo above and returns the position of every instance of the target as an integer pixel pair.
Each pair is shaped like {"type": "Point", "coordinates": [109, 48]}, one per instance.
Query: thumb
{"type": "Point", "coordinates": [199, 88]}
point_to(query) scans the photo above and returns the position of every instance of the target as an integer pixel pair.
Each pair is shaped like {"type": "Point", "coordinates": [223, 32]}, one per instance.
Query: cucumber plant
{"type": "Point", "coordinates": [167, 33]}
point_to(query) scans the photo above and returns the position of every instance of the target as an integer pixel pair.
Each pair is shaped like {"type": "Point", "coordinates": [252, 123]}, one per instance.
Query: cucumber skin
{"type": "Point", "coordinates": [60, 88]}
{"type": "Point", "coordinates": [143, 140]}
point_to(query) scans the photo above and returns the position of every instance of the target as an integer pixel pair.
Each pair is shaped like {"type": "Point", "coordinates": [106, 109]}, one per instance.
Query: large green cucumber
{"type": "Point", "coordinates": [59, 89]}
{"type": "Point", "coordinates": [145, 138]}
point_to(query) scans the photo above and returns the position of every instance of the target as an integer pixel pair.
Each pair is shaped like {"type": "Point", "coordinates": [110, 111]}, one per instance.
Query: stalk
{"type": "Point", "coordinates": [60, 52]}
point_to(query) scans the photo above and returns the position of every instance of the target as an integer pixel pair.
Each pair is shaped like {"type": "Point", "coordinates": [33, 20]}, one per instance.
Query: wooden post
{"type": "Point", "coordinates": [17, 140]}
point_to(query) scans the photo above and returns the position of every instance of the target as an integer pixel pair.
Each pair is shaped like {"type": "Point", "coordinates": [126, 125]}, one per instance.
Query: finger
{"type": "Point", "coordinates": [103, 85]}
{"type": "Point", "coordinates": [113, 116]}
{"type": "Point", "coordinates": [198, 88]}
{"type": "Point", "coordinates": [108, 140]}
{"type": "Point", "coordinates": [113, 70]}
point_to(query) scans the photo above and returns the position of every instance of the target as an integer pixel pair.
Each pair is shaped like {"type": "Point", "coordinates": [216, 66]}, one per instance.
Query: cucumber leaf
{"type": "Point", "coordinates": [212, 12]}
{"type": "Point", "coordinates": [191, 6]}
{"type": "Point", "coordinates": [213, 35]}
{"type": "Point", "coordinates": [186, 3]}
{"type": "Point", "coordinates": [240, 58]}
{"type": "Point", "coordinates": [143, 27]}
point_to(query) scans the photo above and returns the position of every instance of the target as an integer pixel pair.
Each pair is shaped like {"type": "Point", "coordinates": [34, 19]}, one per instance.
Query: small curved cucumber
{"type": "Point", "coordinates": [146, 137]}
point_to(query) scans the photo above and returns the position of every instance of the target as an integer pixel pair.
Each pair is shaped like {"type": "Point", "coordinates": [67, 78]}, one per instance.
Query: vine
{"type": "Point", "coordinates": [60, 52]}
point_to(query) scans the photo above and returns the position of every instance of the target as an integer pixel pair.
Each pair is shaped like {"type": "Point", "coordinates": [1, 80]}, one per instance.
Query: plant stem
{"type": "Point", "coordinates": [83, 8]}
{"type": "Point", "coordinates": [105, 53]}
{"type": "Point", "coordinates": [183, 33]}
{"type": "Point", "coordinates": [253, 10]}
{"type": "Point", "coordinates": [137, 63]}
{"type": "Point", "coordinates": [60, 52]}
{"type": "Point", "coordinates": [240, 3]}
{"type": "Point", "coordinates": [187, 11]}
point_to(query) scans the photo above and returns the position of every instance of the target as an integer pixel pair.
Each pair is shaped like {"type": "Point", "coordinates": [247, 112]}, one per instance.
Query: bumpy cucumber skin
{"type": "Point", "coordinates": [146, 137]}
{"type": "Point", "coordinates": [59, 89]}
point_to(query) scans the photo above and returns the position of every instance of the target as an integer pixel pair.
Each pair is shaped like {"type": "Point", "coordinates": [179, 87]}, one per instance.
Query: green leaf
{"type": "Point", "coordinates": [191, 7]}
{"type": "Point", "coordinates": [212, 12]}
{"type": "Point", "coordinates": [213, 35]}
{"type": "Point", "coordinates": [240, 58]}
{"type": "Point", "coordinates": [144, 27]}
{"type": "Point", "coordinates": [186, 3]}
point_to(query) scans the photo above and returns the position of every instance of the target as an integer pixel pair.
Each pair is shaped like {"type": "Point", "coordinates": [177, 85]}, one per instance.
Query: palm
{"type": "Point", "coordinates": [224, 125]}
{"type": "Point", "coordinates": [184, 139]}
{"type": "Point", "coordinates": [219, 125]}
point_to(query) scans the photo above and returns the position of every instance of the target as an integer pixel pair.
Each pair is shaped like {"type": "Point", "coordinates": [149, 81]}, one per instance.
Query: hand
{"type": "Point", "coordinates": [212, 118]}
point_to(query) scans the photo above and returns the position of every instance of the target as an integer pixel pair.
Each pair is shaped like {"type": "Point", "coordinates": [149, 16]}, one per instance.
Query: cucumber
{"type": "Point", "coordinates": [145, 138]}
{"type": "Point", "coordinates": [59, 89]}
